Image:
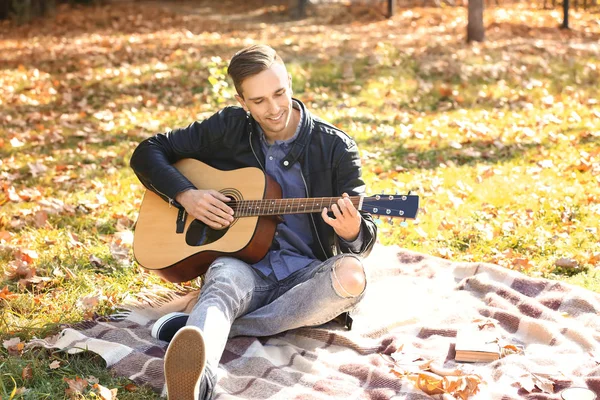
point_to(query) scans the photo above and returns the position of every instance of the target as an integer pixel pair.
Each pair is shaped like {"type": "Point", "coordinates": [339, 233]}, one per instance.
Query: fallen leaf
{"type": "Point", "coordinates": [88, 302]}
{"type": "Point", "coordinates": [19, 269]}
{"type": "Point", "coordinates": [400, 372]}
{"type": "Point", "coordinates": [53, 206]}
{"type": "Point", "coordinates": [12, 195]}
{"type": "Point", "coordinates": [27, 255]}
{"type": "Point", "coordinates": [74, 240]}
{"type": "Point", "coordinates": [545, 385]}
{"type": "Point", "coordinates": [27, 373]}
{"type": "Point", "coordinates": [105, 393]}
{"type": "Point", "coordinates": [54, 364]}
{"type": "Point", "coordinates": [30, 194]}
{"type": "Point", "coordinates": [38, 281]}
{"type": "Point", "coordinates": [7, 294]}
{"type": "Point", "coordinates": [432, 384]}
{"type": "Point", "coordinates": [11, 342]}
{"type": "Point", "coordinates": [95, 261]}
{"type": "Point", "coordinates": [131, 387]}
{"type": "Point", "coordinates": [119, 252]}
{"type": "Point", "coordinates": [523, 263]}
{"type": "Point", "coordinates": [37, 169]}
{"type": "Point", "coordinates": [40, 219]}
{"type": "Point", "coordinates": [445, 90]}
{"type": "Point", "coordinates": [565, 262]}
{"type": "Point", "coordinates": [445, 252]}
{"type": "Point", "coordinates": [16, 143]}
{"type": "Point", "coordinates": [526, 382]}
{"type": "Point", "coordinates": [5, 235]}
{"type": "Point", "coordinates": [508, 349]}
{"type": "Point", "coordinates": [469, 386]}
{"type": "Point", "coordinates": [14, 346]}
{"type": "Point", "coordinates": [76, 387]}
{"type": "Point", "coordinates": [487, 323]}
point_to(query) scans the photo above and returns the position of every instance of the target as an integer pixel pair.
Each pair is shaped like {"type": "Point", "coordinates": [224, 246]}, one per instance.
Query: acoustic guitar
{"type": "Point", "coordinates": [179, 248]}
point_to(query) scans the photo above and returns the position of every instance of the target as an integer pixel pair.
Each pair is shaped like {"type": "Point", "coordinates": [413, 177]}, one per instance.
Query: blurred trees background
{"type": "Point", "coordinates": [25, 10]}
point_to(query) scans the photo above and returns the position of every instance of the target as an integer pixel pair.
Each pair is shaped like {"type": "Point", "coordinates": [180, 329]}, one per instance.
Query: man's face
{"type": "Point", "coordinates": [268, 97]}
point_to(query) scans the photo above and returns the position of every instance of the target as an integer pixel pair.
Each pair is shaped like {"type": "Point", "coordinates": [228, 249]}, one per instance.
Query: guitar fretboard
{"type": "Point", "coordinates": [253, 208]}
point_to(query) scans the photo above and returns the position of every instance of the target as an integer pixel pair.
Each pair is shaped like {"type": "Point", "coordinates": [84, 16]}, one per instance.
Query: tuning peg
{"type": "Point", "coordinates": [404, 224]}
{"type": "Point", "coordinates": [377, 221]}
{"type": "Point", "coordinates": [391, 221]}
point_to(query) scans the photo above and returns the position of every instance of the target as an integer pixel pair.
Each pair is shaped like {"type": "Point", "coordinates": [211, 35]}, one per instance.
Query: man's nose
{"type": "Point", "coordinates": [273, 107]}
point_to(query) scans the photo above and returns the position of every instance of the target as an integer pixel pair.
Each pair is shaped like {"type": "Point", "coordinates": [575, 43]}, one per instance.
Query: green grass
{"type": "Point", "coordinates": [499, 139]}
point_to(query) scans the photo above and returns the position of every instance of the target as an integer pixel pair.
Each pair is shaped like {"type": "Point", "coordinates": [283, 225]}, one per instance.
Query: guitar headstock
{"type": "Point", "coordinates": [393, 206]}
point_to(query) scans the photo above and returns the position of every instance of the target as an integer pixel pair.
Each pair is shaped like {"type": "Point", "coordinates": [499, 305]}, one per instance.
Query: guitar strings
{"type": "Point", "coordinates": [265, 201]}
{"type": "Point", "coordinates": [258, 207]}
{"type": "Point", "coordinates": [246, 208]}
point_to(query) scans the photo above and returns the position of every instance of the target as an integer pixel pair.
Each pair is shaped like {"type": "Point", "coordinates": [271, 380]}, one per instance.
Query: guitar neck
{"type": "Point", "coordinates": [254, 208]}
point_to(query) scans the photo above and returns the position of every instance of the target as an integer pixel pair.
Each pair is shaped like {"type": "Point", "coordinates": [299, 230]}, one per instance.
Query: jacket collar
{"type": "Point", "coordinates": [300, 144]}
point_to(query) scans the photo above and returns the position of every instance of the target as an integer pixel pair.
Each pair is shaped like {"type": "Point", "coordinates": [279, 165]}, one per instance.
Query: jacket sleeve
{"type": "Point", "coordinates": [349, 180]}
{"type": "Point", "coordinates": [153, 158]}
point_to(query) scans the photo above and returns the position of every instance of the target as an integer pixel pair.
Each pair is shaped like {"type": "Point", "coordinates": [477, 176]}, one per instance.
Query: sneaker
{"type": "Point", "coordinates": [185, 362]}
{"type": "Point", "coordinates": [167, 326]}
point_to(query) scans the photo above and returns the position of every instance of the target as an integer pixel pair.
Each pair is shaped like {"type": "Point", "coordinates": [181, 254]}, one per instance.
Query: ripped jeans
{"type": "Point", "coordinates": [237, 300]}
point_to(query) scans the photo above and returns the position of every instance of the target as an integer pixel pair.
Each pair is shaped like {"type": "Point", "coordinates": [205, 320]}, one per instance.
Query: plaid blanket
{"type": "Point", "coordinates": [413, 308]}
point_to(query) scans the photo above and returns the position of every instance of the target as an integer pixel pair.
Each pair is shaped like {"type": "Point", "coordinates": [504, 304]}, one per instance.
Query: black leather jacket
{"type": "Point", "coordinates": [229, 140]}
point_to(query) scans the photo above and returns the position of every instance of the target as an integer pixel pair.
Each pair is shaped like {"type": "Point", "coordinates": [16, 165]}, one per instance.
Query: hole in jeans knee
{"type": "Point", "coordinates": [348, 277]}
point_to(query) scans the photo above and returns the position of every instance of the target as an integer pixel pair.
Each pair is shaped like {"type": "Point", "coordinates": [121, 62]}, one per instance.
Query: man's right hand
{"type": "Point", "coordinates": [207, 206]}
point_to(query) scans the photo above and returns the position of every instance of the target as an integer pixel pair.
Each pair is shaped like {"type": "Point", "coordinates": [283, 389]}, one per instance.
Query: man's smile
{"type": "Point", "coordinates": [277, 118]}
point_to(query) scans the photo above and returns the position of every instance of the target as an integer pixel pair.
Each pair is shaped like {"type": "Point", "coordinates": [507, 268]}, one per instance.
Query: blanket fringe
{"type": "Point", "coordinates": [155, 297]}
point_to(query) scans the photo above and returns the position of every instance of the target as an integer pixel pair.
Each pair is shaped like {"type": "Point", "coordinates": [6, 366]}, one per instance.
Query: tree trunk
{"type": "Point", "coordinates": [391, 8]}
{"type": "Point", "coordinates": [475, 28]}
{"type": "Point", "coordinates": [299, 11]}
{"type": "Point", "coordinates": [25, 10]}
{"type": "Point", "coordinates": [565, 24]}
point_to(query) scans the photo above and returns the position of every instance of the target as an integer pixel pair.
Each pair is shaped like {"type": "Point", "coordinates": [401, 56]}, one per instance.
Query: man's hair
{"type": "Point", "coordinates": [249, 62]}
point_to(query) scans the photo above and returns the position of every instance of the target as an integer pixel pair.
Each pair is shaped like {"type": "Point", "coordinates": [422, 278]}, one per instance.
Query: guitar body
{"type": "Point", "coordinates": [181, 256]}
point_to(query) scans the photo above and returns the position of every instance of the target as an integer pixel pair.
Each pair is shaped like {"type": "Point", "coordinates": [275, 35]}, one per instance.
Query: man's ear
{"type": "Point", "coordinates": [290, 80]}
{"type": "Point", "coordinates": [240, 100]}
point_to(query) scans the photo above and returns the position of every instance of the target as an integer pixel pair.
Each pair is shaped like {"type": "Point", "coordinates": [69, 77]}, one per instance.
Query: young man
{"type": "Point", "coordinates": [312, 272]}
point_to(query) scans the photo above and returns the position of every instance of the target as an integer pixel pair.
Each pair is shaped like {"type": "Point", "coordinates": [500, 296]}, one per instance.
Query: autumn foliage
{"type": "Point", "coordinates": [501, 140]}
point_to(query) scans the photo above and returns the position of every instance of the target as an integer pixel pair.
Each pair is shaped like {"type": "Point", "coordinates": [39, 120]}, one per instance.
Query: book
{"type": "Point", "coordinates": [475, 345]}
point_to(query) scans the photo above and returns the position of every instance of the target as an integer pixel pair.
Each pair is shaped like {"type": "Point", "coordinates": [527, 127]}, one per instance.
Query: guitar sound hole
{"type": "Point", "coordinates": [199, 234]}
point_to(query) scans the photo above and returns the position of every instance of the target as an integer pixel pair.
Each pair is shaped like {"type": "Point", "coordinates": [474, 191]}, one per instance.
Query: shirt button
{"type": "Point", "coordinates": [271, 158]}
{"type": "Point", "coordinates": [286, 163]}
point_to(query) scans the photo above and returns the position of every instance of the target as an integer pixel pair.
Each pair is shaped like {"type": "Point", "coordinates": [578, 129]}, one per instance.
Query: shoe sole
{"type": "Point", "coordinates": [184, 364]}
{"type": "Point", "coordinates": [162, 321]}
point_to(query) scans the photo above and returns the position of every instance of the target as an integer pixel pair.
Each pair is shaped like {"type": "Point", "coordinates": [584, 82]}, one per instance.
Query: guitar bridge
{"type": "Point", "coordinates": [180, 222]}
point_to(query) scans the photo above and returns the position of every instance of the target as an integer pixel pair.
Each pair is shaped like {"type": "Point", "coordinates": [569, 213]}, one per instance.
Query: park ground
{"type": "Point", "coordinates": [500, 139]}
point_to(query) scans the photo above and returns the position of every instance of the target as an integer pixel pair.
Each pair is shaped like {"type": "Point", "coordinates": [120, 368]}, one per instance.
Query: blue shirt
{"type": "Point", "coordinates": [290, 250]}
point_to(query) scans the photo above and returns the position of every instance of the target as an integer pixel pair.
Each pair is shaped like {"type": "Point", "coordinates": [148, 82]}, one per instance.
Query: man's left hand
{"type": "Point", "coordinates": [347, 218]}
